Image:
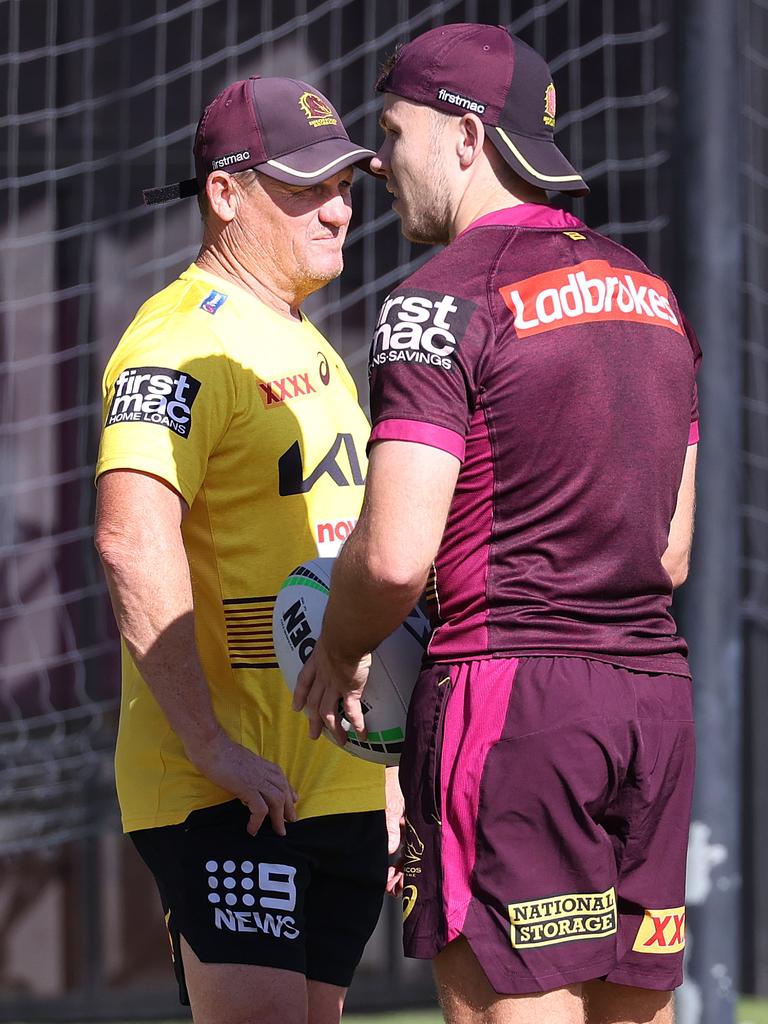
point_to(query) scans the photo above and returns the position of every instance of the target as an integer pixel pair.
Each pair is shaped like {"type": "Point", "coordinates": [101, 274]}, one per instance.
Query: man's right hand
{"type": "Point", "coordinates": [258, 783]}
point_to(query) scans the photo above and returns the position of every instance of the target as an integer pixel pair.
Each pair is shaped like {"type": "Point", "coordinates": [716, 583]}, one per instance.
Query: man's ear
{"type": "Point", "coordinates": [470, 141]}
{"type": "Point", "coordinates": [222, 195]}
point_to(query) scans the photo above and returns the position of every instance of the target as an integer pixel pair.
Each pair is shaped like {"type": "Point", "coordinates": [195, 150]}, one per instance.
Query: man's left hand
{"type": "Point", "coordinates": [322, 683]}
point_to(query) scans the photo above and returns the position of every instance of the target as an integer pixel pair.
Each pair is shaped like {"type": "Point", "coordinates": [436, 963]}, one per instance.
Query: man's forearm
{"type": "Point", "coordinates": [366, 604]}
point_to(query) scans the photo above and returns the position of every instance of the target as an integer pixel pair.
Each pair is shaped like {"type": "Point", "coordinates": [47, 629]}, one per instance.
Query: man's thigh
{"type": "Point", "coordinates": [244, 994]}
{"type": "Point", "coordinates": [605, 1003]}
{"type": "Point", "coordinates": [245, 901]}
{"type": "Point", "coordinates": [466, 995]}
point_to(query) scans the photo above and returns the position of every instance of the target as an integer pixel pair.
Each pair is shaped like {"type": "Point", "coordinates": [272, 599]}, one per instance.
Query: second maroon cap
{"type": "Point", "coordinates": [484, 70]}
{"type": "Point", "coordinates": [279, 126]}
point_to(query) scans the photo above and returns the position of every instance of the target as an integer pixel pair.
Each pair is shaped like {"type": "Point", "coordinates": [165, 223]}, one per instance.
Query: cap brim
{"type": "Point", "coordinates": [315, 163]}
{"type": "Point", "coordinates": [537, 161]}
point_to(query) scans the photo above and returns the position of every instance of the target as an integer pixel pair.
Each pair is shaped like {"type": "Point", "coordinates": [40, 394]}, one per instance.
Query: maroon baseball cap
{"type": "Point", "coordinates": [279, 126]}
{"type": "Point", "coordinates": [484, 70]}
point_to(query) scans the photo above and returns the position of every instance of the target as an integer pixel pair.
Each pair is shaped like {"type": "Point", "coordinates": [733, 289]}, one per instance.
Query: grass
{"type": "Point", "coordinates": [753, 1011]}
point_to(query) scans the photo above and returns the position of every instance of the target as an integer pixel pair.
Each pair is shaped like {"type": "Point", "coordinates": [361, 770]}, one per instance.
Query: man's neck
{"type": "Point", "coordinates": [280, 298]}
{"type": "Point", "coordinates": [476, 203]}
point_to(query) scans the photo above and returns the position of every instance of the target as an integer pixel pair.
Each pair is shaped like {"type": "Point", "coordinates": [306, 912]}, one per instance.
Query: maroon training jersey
{"type": "Point", "coordinates": [561, 372]}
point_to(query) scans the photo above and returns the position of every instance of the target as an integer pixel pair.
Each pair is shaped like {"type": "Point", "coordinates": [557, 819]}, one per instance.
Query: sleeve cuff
{"type": "Point", "coordinates": [422, 433]}
{"type": "Point", "coordinates": [693, 433]}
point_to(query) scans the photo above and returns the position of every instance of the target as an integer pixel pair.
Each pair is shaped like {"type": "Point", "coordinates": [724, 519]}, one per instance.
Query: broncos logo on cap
{"type": "Point", "coordinates": [550, 105]}
{"type": "Point", "coordinates": [317, 111]}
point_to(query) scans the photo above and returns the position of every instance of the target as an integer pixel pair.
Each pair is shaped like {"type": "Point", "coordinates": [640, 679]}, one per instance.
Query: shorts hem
{"type": "Point", "coordinates": [638, 978]}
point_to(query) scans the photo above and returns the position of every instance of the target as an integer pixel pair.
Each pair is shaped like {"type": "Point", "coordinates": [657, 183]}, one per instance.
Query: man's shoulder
{"type": "Point", "coordinates": [176, 317]}
{"type": "Point", "coordinates": [460, 269]}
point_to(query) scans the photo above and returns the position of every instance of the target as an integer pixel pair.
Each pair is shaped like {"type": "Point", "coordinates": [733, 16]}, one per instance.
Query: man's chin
{"type": "Point", "coordinates": [420, 235]}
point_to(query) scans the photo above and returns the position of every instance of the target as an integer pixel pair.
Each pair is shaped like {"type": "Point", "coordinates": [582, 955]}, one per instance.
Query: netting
{"type": "Point", "coordinates": [103, 99]}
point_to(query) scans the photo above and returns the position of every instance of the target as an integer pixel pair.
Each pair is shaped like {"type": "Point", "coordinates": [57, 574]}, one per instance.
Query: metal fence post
{"type": "Point", "coordinates": [709, 282]}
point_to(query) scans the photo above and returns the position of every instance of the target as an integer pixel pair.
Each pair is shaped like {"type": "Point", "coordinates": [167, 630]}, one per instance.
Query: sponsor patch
{"type": "Point", "coordinates": [457, 100]}
{"type": "Point", "coordinates": [213, 302]}
{"type": "Point", "coordinates": [248, 897]}
{"type": "Point", "coordinates": [324, 370]}
{"type": "Point", "coordinates": [275, 392]}
{"type": "Point", "coordinates": [588, 292]}
{"type": "Point", "coordinates": [410, 895]}
{"type": "Point", "coordinates": [420, 327]}
{"type": "Point", "coordinates": [229, 159]}
{"type": "Point", "coordinates": [566, 918]}
{"type": "Point", "coordinates": [316, 110]}
{"type": "Point", "coordinates": [661, 931]}
{"type": "Point", "coordinates": [291, 469]}
{"type": "Point", "coordinates": [154, 394]}
{"type": "Point", "coordinates": [331, 535]}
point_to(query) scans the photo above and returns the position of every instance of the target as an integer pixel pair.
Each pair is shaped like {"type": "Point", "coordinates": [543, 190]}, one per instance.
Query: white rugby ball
{"type": "Point", "coordinates": [395, 666]}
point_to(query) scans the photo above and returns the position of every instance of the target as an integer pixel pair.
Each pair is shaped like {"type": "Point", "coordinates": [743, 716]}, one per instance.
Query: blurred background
{"type": "Point", "coordinates": [663, 105]}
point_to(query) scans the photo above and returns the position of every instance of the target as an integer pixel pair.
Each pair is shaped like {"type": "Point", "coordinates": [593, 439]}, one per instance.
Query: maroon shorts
{"type": "Point", "coordinates": [548, 803]}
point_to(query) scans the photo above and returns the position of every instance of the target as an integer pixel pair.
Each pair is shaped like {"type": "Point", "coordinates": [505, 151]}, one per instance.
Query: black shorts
{"type": "Point", "coordinates": [307, 902]}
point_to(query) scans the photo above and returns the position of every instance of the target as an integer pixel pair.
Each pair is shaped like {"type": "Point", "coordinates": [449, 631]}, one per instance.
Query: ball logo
{"type": "Point", "coordinates": [550, 105]}
{"type": "Point", "coordinates": [585, 293]}
{"type": "Point", "coordinates": [317, 111]}
{"type": "Point", "coordinates": [299, 631]}
{"type": "Point", "coordinates": [420, 327]}
{"type": "Point", "coordinates": [154, 394]}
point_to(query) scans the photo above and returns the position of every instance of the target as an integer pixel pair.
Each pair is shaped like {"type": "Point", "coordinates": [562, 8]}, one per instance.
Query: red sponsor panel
{"type": "Point", "coordinates": [588, 292]}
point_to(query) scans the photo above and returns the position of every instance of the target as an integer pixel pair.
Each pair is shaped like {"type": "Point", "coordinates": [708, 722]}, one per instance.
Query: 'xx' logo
{"type": "Point", "coordinates": [661, 931]}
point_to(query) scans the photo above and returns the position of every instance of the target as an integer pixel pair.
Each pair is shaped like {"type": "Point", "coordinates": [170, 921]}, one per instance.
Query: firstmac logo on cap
{"type": "Point", "coordinates": [457, 100]}
{"type": "Point", "coordinates": [154, 394]}
{"type": "Point", "coordinates": [316, 110]}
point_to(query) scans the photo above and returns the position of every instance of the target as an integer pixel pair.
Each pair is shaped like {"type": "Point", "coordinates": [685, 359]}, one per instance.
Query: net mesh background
{"type": "Point", "coordinates": [102, 101]}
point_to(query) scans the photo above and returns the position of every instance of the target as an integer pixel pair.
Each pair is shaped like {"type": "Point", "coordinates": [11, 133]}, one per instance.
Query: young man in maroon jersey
{"type": "Point", "coordinates": [534, 437]}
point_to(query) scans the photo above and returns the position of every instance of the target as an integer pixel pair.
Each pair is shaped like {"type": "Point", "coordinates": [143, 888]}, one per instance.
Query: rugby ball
{"type": "Point", "coordinates": [395, 665]}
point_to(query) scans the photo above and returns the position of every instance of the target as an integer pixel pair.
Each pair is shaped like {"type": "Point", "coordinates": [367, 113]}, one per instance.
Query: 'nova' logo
{"type": "Point", "coordinates": [331, 536]}
{"type": "Point", "coordinates": [274, 392]}
{"type": "Point", "coordinates": [588, 292]}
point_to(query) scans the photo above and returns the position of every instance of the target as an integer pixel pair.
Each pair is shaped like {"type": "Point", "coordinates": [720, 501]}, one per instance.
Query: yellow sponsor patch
{"type": "Point", "coordinates": [566, 918]}
{"type": "Point", "coordinates": [661, 931]}
{"type": "Point", "coordinates": [575, 235]}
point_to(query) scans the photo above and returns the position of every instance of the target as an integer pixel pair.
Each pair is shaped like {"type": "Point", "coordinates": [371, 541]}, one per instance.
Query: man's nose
{"type": "Point", "coordinates": [380, 163]}
{"type": "Point", "coordinates": [336, 210]}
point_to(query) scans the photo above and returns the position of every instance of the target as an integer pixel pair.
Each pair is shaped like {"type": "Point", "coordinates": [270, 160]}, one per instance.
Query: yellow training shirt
{"type": "Point", "coordinates": [253, 419]}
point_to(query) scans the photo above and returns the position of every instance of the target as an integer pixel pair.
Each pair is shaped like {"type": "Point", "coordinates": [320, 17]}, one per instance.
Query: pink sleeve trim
{"type": "Point", "coordinates": [423, 433]}
{"type": "Point", "coordinates": [693, 433]}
